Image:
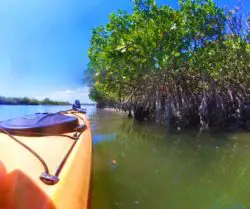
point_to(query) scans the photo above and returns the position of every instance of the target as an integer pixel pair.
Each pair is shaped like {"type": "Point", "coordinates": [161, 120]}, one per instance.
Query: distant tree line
{"type": "Point", "coordinates": [29, 101]}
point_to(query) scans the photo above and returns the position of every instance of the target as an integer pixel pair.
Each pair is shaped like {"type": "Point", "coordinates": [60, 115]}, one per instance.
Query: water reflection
{"type": "Point", "coordinates": [97, 138]}
{"type": "Point", "coordinates": [155, 170]}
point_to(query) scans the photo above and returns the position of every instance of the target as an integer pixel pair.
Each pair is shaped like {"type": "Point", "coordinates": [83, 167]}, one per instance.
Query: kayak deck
{"type": "Point", "coordinates": [52, 149]}
{"type": "Point", "coordinates": [20, 186]}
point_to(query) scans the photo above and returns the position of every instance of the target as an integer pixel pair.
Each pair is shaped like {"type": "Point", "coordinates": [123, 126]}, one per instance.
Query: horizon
{"type": "Point", "coordinates": [44, 54]}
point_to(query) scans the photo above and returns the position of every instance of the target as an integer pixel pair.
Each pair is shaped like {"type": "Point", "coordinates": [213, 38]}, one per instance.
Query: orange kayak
{"type": "Point", "coordinates": [24, 184]}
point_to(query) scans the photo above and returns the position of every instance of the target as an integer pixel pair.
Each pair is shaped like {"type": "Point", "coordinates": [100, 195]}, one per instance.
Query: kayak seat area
{"type": "Point", "coordinates": [40, 123]}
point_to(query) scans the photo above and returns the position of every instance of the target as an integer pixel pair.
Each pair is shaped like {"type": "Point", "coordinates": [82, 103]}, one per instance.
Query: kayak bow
{"type": "Point", "coordinates": [24, 180]}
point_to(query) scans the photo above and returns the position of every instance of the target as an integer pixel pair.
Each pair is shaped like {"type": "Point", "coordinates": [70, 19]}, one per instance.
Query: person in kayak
{"type": "Point", "coordinates": [76, 105]}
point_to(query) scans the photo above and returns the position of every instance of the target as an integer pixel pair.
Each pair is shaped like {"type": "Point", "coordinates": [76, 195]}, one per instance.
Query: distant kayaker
{"type": "Point", "coordinates": [76, 105]}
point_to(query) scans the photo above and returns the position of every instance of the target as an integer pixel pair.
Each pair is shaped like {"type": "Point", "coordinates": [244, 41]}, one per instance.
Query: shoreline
{"type": "Point", "coordinates": [229, 129]}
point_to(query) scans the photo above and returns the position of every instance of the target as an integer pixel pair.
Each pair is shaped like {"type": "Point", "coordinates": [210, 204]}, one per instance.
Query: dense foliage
{"type": "Point", "coordinates": [28, 101]}
{"type": "Point", "coordinates": [181, 67]}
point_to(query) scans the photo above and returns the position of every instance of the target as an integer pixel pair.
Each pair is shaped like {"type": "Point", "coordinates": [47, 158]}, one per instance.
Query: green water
{"type": "Point", "coordinates": [141, 167]}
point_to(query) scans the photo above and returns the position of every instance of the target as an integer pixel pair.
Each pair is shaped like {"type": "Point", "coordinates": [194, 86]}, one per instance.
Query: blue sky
{"type": "Point", "coordinates": [44, 44]}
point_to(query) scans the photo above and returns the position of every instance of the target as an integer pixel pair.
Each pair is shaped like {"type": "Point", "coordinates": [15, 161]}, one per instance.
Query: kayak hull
{"type": "Point", "coordinates": [20, 186]}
